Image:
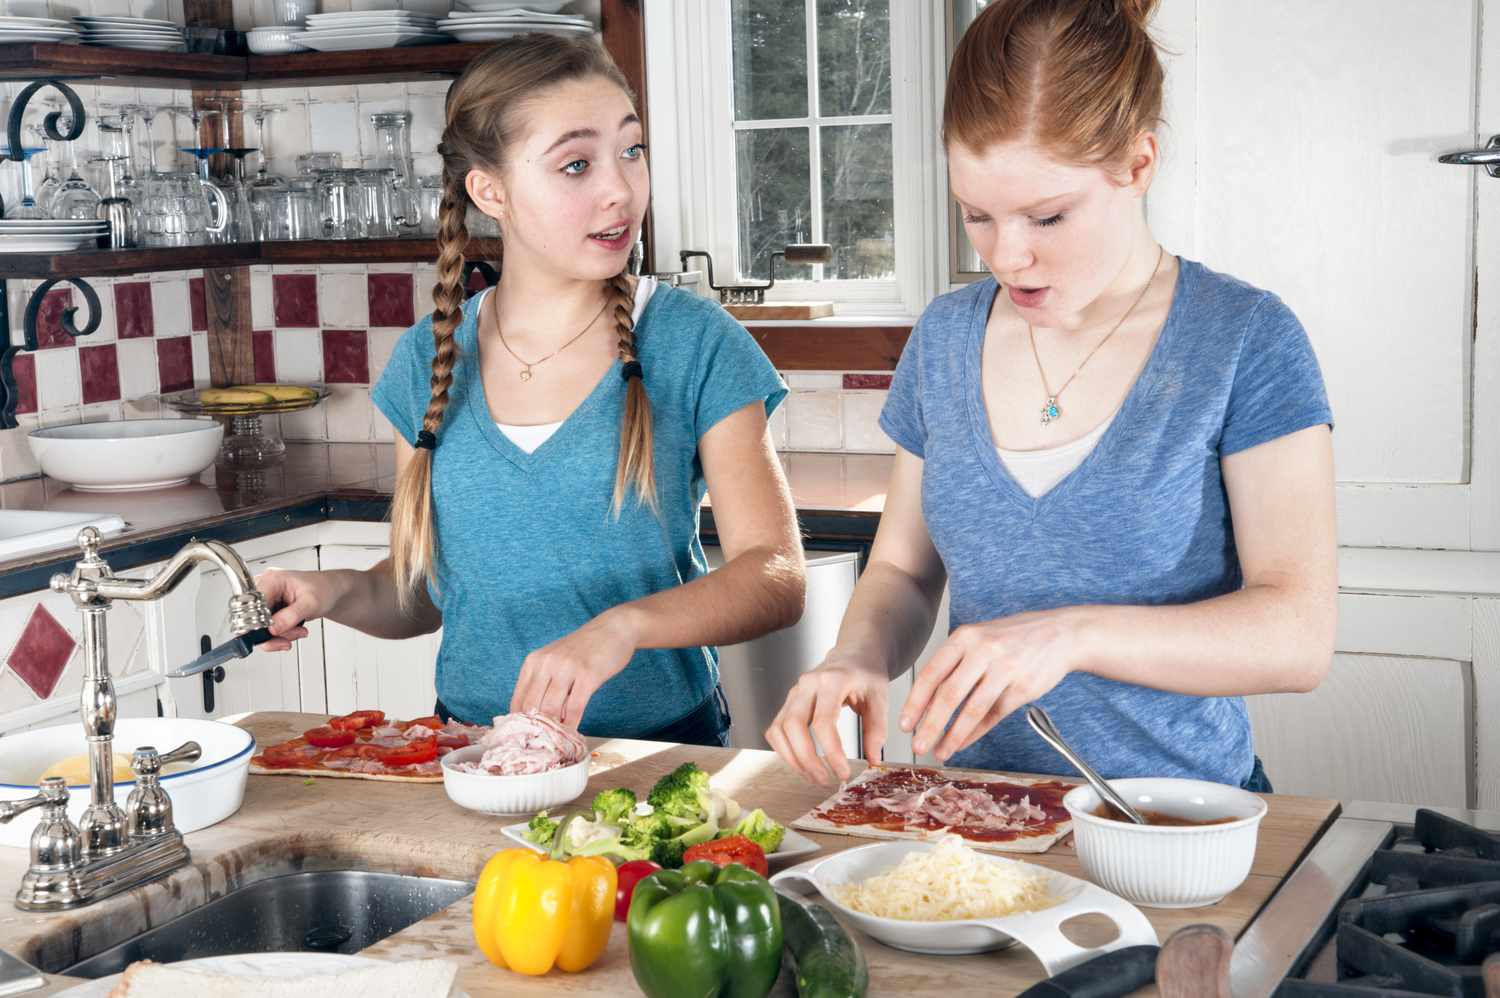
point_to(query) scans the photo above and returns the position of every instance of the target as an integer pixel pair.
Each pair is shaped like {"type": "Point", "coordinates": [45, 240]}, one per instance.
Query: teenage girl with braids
{"type": "Point", "coordinates": [554, 436]}
{"type": "Point", "coordinates": [1119, 460]}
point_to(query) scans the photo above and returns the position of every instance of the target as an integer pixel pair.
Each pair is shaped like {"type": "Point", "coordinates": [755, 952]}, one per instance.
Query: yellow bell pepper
{"type": "Point", "coordinates": [531, 913]}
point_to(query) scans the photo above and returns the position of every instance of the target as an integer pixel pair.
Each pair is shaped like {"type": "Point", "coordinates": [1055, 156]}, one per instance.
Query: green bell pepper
{"type": "Point", "coordinates": [705, 931]}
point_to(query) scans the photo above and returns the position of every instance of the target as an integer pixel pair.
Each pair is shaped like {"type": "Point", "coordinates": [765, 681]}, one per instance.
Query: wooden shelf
{"type": "Point", "coordinates": [412, 62]}
{"type": "Point", "coordinates": [35, 60]}
{"type": "Point", "coordinates": [106, 66]}
{"type": "Point", "coordinates": [105, 263]}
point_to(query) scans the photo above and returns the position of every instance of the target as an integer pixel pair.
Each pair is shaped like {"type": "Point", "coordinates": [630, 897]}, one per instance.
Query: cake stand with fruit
{"type": "Point", "coordinates": [249, 443]}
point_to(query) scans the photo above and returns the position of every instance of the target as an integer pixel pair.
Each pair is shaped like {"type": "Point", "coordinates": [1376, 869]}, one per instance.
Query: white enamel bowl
{"type": "Point", "coordinates": [1168, 866]}
{"type": "Point", "coordinates": [510, 794]}
{"type": "Point", "coordinates": [1038, 931]}
{"type": "Point", "coordinates": [201, 796]}
{"type": "Point", "coordinates": [126, 453]}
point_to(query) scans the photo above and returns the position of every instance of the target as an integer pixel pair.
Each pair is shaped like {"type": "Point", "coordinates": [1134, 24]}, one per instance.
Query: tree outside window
{"type": "Point", "coordinates": [812, 120]}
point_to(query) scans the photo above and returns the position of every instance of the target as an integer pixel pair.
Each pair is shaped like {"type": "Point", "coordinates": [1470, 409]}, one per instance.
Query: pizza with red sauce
{"type": "Point", "coordinates": [989, 810]}
{"type": "Point", "coordinates": [365, 745]}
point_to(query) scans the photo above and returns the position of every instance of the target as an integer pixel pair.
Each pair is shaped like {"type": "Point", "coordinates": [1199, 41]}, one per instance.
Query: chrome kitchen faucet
{"type": "Point", "coordinates": [111, 850]}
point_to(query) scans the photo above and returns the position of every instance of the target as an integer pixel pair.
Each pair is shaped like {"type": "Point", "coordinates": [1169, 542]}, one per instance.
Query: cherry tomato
{"type": "Point", "coordinates": [413, 752]}
{"type": "Point", "coordinates": [328, 737]}
{"type": "Point", "coordinates": [626, 877]}
{"type": "Point", "coordinates": [359, 719]}
{"type": "Point", "coordinates": [734, 849]}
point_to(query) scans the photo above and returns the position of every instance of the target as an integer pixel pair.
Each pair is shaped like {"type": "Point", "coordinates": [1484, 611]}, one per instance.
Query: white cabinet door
{"type": "Point", "coordinates": [196, 616]}
{"type": "Point", "coordinates": [1381, 728]}
{"type": "Point", "coordinates": [366, 673]}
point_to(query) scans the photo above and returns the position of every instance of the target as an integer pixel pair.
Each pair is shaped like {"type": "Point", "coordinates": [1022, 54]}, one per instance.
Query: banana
{"type": "Point", "coordinates": [284, 393]}
{"type": "Point", "coordinates": [234, 396]}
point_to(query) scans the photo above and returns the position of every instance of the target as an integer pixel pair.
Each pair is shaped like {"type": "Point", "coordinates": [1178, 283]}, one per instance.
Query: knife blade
{"type": "Point", "coordinates": [236, 647]}
{"type": "Point", "coordinates": [17, 977]}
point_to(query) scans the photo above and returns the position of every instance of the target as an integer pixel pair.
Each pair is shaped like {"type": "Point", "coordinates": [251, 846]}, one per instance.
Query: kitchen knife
{"type": "Point", "coordinates": [236, 647]}
{"type": "Point", "coordinates": [1112, 975]}
{"type": "Point", "coordinates": [17, 977]}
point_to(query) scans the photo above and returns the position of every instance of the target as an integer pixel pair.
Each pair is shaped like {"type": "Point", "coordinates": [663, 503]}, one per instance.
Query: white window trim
{"type": "Point", "coordinates": [693, 158]}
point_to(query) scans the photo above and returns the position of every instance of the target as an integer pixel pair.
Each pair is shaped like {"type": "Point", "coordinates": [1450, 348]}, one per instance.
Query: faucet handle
{"type": "Point", "coordinates": [55, 842]}
{"type": "Point", "coordinates": [148, 809]}
{"type": "Point", "coordinates": [52, 792]}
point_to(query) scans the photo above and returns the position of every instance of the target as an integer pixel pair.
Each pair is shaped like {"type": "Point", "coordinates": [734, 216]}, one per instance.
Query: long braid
{"type": "Point", "coordinates": [412, 529]}
{"type": "Point", "coordinates": [634, 469]}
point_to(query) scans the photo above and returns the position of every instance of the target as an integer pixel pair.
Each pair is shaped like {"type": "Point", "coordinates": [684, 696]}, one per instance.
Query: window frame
{"type": "Point", "coordinates": [695, 193]}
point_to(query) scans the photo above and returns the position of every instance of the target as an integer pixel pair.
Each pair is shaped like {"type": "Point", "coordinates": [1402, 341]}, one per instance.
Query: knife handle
{"type": "Point", "coordinates": [1116, 973]}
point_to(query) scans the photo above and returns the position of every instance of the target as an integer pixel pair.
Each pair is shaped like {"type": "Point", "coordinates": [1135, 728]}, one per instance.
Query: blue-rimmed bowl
{"type": "Point", "coordinates": [207, 793]}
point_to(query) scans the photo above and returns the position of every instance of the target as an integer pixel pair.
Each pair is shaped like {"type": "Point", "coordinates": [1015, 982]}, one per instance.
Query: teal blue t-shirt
{"type": "Point", "coordinates": [528, 547]}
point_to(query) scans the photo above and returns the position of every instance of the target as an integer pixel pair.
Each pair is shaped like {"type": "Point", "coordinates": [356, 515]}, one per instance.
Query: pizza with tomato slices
{"type": "Point", "coordinates": [365, 745]}
{"type": "Point", "coordinates": [988, 810]}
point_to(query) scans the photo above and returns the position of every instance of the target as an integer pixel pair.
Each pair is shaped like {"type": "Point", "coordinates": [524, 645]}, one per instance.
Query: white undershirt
{"type": "Point", "coordinates": [1037, 471]}
{"type": "Point", "coordinates": [530, 436]}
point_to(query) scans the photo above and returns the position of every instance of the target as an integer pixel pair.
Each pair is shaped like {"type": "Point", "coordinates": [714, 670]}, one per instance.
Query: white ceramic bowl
{"type": "Point", "coordinates": [510, 794]}
{"type": "Point", "coordinates": [273, 40]}
{"type": "Point", "coordinates": [207, 793]}
{"type": "Point", "coordinates": [126, 454]}
{"type": "Point", "coordinates": [1168, 866]}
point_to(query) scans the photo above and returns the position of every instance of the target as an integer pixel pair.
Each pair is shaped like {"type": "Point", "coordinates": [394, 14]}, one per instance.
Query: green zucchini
{"type": "Point", "coordinates": [827, 960]}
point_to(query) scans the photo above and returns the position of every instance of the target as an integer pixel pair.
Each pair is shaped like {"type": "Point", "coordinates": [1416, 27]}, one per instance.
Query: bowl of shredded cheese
{"type": "Point", "coordinates": [944, 897]}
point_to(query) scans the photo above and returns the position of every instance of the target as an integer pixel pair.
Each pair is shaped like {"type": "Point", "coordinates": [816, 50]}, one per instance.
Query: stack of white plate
{"type": "Point", "coordinates": [485, 26]}
{"type": "Point", "coordinates": [525, 6]}
{"type": "Point", "coordinates": [368, 29]}
{"type": "Point", "coordinates": [36, 29]}
{"type": "Point", "coordinates": [49, 235]}
{"type": "Point", "coordinates": [149, 34]}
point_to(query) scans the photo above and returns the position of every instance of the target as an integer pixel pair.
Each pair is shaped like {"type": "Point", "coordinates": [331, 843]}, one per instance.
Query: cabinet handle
{"type": "Point", "coordinates": [210, 676]}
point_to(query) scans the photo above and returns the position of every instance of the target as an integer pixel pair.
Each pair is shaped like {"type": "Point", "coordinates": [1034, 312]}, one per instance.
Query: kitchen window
{"type": "Point", "coordinates": [786, 121]}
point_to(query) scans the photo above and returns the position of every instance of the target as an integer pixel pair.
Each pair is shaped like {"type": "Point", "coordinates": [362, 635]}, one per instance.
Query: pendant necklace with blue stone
{"type": "Point", "coordinates": [1050, 411]}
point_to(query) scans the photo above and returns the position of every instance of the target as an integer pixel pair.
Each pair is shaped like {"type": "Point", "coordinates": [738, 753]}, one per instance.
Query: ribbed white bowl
{"type": "Point", "coordinates": [1165, 866]}
{"type": "Point", "coordinates": [510, 794]}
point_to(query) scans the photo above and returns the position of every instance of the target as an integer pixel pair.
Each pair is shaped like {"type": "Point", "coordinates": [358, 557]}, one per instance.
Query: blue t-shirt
{"type": "Point", "coordinates": [1144, 520]}
{"type": "Point", "coordinates": [528, 548]}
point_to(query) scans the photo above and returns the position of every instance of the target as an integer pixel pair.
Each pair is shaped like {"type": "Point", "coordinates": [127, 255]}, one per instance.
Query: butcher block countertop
{"type": "Point", "coordinates": [289, 823]}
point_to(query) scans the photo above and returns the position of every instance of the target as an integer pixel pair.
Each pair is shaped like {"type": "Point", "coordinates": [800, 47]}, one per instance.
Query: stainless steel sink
{"type": "Point", "coordinates": [332, 911]}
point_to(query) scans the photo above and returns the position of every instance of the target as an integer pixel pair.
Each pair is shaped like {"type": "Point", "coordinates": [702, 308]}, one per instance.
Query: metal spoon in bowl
{"type": "Point", "coordinates": [1042, 724]}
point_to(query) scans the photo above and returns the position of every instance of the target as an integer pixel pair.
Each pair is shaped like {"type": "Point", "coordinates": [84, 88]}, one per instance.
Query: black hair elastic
{"type": "Point", "coordinates": [426, 439]}
{"type": "Point", "coordinates": [632, 369]}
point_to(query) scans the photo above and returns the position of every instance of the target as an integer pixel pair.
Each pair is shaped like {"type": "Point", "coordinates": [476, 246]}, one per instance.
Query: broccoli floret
{"type": "Point", "coordinates": [761, 829]}
{"type": "Point", "coordinates": [614, 805]}
{"type": "Point", "coordinates": [668, 853]}
{"type": "Point", "coordinates": [651, 826]}
{"type": "Point", "coordinates": [622, 847]}
{"type": "Point", "coordinates": [541, 829]}
{"type": "Point", "coordinates": [678, 792]}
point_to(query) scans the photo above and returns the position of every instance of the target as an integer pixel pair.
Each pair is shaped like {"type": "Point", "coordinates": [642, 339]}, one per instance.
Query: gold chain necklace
{"type": "Point", "coordinates": [527, 365]}
{"type": "Point", "coordinates": [1050, 412]}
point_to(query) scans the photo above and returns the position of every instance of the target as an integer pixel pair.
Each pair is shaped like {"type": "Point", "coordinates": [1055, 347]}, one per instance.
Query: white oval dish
{"type": "Point", "coordinates": [523, 794]}
{"type": "Point", "coordinates": [1036, 930]}
{"type": "Point", "coordinates": [201, 796]}
{"type": "Point", "coordinates": [1168, 866]}
{"type": "Point", "coordinates": [126, 454]}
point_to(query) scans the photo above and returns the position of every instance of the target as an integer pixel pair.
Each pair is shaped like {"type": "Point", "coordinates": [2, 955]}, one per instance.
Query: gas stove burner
{"type": "Point", "coordinates": [1427, 921]}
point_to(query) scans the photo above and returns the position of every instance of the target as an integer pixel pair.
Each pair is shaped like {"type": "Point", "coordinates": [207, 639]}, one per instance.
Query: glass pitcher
{"type": "Point", "coordinates": [182, 210]}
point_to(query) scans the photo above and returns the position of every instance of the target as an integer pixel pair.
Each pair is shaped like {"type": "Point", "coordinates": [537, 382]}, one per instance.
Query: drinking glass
{"type": "Point", "coordinates": [74, 197]}
{"type": "Point", "coordinates": [28, 208]}
{"type": "Point", "coordinates": [393, 138]}
{"type": "Point", "coordinates": [429, 201]}
{"type": "Point", "coordinates": [339, 204]}
{"type": "Point", "coordinates": [310, 163]}
{"type": "Point", "coordinates": [266, 186]}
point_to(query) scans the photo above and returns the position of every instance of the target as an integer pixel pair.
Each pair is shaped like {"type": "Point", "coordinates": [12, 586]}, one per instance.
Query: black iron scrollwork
{"type": "Point", "coordinates": [490, 274]}
{"type": "Point", "coordinates": [9, 392]}
{"type": "Point", "coordinates": [49, 123]}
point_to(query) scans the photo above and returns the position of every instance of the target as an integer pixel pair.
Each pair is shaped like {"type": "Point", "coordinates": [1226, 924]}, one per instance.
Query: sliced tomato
{"type": "Point", "coordinates": [733, 849]}
{"type": "Point", "coordinates": [328, 736]}
{"type": "Point", "coordinates": [452, 741]}
{"type": "Point", "coordinates": [431, 721]}
{"type": "Point", "coordinates": [285, 756]}
{"type": "Point", "coordinates": [413, 752]}
{"type": "Point", "coordinates": [359, 750]}
{"type": "Point", "coordinates": [359, 719]}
